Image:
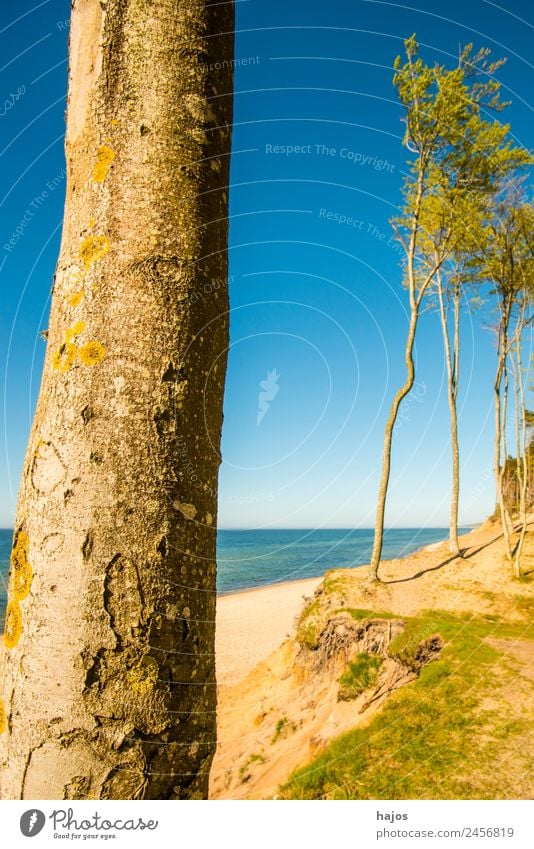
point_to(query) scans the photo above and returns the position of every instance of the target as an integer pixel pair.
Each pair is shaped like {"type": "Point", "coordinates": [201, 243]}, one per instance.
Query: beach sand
{"type": "Point", "coordinates": [252, 623]}
{"type": "Point", "coordinates": [275, 713]}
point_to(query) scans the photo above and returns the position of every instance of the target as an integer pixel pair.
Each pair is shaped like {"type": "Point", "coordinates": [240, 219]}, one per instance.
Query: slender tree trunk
{"type": "Point", "coordinates": [408, 384]}
{"type": "Point", "coordinates": [500, 436]}
{"type": "Point", "coordinates": [108, 678]}
{"type": "Point", "coordinates": [522, 456]}
{"type": "Point", "coordinates": [388, 438]}
{"type": "Point", "coordinates": [452, 364]}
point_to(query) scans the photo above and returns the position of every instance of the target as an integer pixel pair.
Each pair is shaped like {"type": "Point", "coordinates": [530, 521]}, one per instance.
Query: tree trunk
{"type": "Point", "coordinates": [522, 449]}
{"type": "Point", "coordinates": [415, 300]}
{"type": "Point", "coordinates": [500, 440]}
{"type": "Point", "coordinates": [388, 438]}
{"type": "Point", "coordinates": [454, 546]}
{"type": "Point", "coordinates": [452, 363]}
{"type": "Point", "coordinates": [108, 678]}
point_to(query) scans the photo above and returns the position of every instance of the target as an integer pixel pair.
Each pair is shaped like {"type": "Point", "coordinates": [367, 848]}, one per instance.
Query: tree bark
{"type": "Point", "coordinates": [522, 466]}
{"type": "Point", "coordinates": [388, 438]}
{"type": "Point", "coordinates": [452, 364]}
{"type": "Point", "coordinates": [108, 673]}
{"type": "Point", "coordinates": [500, 423]}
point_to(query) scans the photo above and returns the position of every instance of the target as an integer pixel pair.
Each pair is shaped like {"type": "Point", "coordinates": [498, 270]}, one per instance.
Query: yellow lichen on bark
{"type": "Point", "coordinates": [3, 717]}
{"type": "Point", "coordinates": [22, 581]}
{"type": "Point", "coordinates": [104, 157]}
{"type": "Point", "coordinates": [63, 359]}
{"type": "Point", "coordinates": [92, 353]}
{"type": "Point", "coordinates": [76, 299]}
{"type": "Point", "coordinates": [77, 328]}
{"type": "Point", "coordinates": [13, 625]}
{"type": "Point", "coordinates": [22, 571]}
{"type": "Point", "coordinates": [143, 677]}
{"type": "Point", "coordinates": [94, 248]}
{"type": "Point", "coordinates": [187, 510]}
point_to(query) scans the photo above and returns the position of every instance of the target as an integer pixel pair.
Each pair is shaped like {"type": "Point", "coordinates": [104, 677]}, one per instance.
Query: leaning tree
{"type": "Point", "coordinates": [509, 267]}
{"type": "Point", "coordinates": [456, 155]}
{"type": "Point", "coordinates": [107, 665]}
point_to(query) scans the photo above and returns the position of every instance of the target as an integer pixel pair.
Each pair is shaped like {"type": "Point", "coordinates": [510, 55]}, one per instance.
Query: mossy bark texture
{"type": "Point", "coordinates": [107, 662]}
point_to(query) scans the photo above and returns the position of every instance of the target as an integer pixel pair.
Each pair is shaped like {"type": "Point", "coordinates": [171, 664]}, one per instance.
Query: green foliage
{"type": "Point", "coordinates": [434, 738]}
{"type": "Point", "coordinates": [360, 674]}
{"type": "Point", "coordinates": [460, 159]}
{"type": "Point", "coordinates": [508, 261]}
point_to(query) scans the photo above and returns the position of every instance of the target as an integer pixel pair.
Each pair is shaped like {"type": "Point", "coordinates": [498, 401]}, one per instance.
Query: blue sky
{"type": "Point", "coordinates": [315, 288]}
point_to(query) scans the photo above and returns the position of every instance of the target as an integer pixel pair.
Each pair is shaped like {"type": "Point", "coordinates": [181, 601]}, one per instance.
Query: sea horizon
{"type": "Point", "coordinates": [249, 558]}
{"type": "Point", "coordinates": [334, 528]}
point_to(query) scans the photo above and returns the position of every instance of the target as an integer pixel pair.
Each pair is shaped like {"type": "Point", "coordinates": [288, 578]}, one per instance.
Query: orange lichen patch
{"type": "Point", "coordinates": [63, 359]}
{"type": "Point", "coordinates": [76, 299]}
{"type": "Point", "coordinates": [22, 571]}
{"type": "Point", "coordinates": [104, 157]}
{"type": "Point", "coordinates": [13, 625]}
{"type": "Point", "coordinates": [92, 353]}
{"type": "Point", "coordinates": [94, 248]}
{"type": "Point", "coordinates": [3, 717]}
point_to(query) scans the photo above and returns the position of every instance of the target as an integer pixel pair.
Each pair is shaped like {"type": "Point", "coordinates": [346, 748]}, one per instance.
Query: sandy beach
{"type": "Point", "coordinates": [252, 623]}
{"type": "Point", "coordinates": [279, 704]}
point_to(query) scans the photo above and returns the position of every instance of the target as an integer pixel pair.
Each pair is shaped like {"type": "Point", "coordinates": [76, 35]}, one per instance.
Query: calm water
{"type": "Point", "coordinates": [254, 558]}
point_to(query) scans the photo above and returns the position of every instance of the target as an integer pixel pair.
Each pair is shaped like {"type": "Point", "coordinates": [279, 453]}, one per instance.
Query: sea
{"type": "Point", "coordinates": [255, 558]}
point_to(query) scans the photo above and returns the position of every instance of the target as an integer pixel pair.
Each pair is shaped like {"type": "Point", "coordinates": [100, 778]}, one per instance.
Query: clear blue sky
{"type": "Point", "coordinates": [315, 298]}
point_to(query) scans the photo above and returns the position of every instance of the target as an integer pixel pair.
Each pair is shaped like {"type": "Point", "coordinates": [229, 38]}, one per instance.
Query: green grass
{"type": "Point", "coordinates": [433, 738]}
{"type": "Point", "coordinates": [359, 614]}
{"type": "Point", "coordinates": [308, 625]}
{"type": "Point", "coordinates": [360, 674]}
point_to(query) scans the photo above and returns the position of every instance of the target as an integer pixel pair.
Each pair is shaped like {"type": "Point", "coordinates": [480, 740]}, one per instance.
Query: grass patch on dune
{"type": "Point", "coordinates": [360, 674]}
{"type": "Point", "coordinates": [434, 738]}
{"type": "Point", "coordinates": [360, 615]}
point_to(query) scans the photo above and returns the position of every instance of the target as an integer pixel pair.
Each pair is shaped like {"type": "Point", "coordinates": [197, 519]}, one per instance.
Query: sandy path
{"type": "Point", "coordinates": [253, 623]}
